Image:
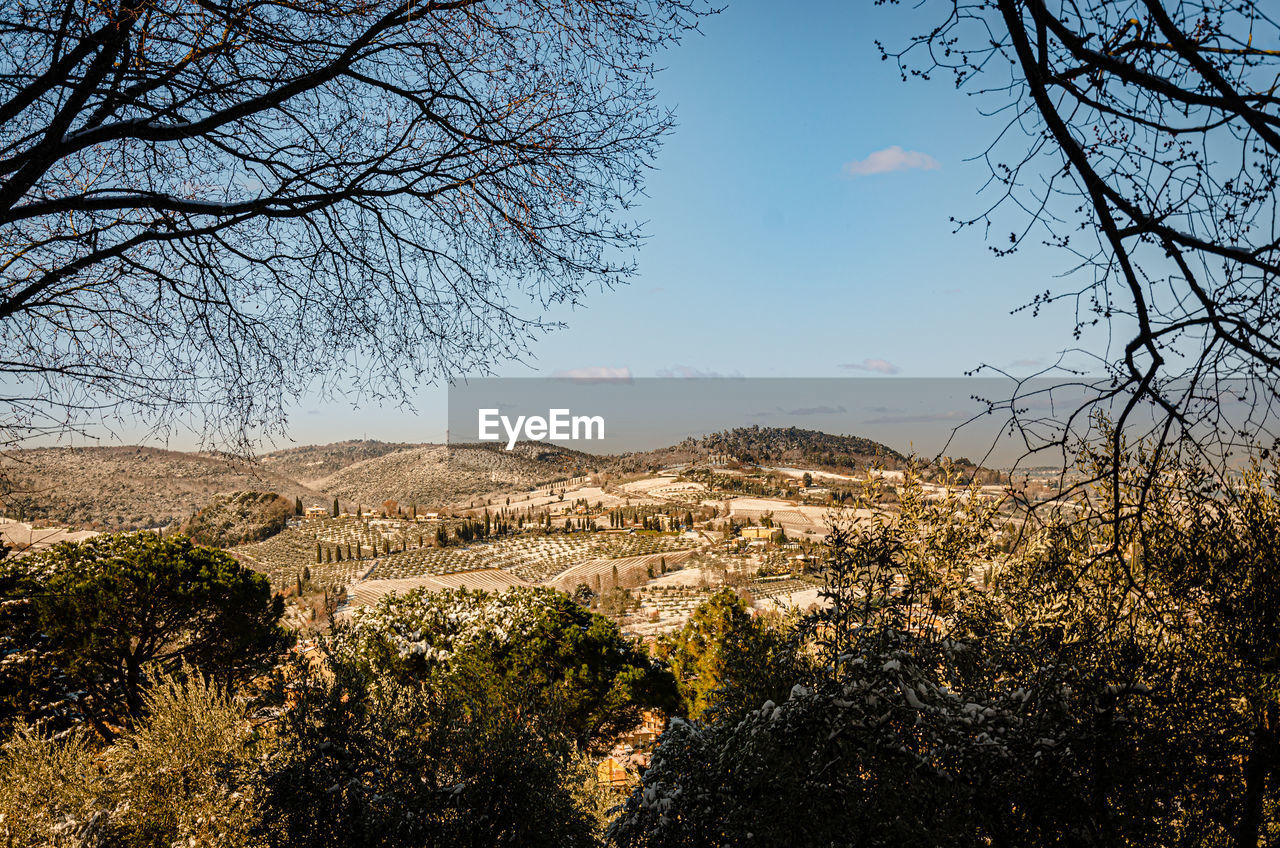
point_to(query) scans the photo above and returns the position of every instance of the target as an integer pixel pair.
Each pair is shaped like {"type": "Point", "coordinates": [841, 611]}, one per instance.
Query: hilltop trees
{"type": "Point", "coordinates": [100, 619]}
{"type": "Point", "coordinates": [373, 193]}
{"type": "Point", "coordinates": [235, 519]}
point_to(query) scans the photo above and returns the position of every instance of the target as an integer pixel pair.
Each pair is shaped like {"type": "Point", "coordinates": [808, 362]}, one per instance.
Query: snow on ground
{"type": "Point", "coordinates": [648, 484]}
{"type": "Point", "coordinates": [795, 519]}
{"type": "Point", "coordinates": [366, 592]}
{"type": "Point", "coordinates": [684, 577]}
{"type": "Point", "coordinates": [802, 599]}
{"type": "Point", "coordinates": [628, 568]}
{"type": "Point", "coordinates": [24, 538]}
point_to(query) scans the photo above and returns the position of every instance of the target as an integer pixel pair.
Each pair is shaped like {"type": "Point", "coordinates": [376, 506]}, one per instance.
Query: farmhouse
{"type": "Point", "coordinates": [612, 774]}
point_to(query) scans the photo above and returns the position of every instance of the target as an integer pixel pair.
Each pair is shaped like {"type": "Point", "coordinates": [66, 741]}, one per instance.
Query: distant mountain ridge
{"type": "Point", "coordinates": [309, 463]}
{"type": "Point", "coordinates": [435, 475]}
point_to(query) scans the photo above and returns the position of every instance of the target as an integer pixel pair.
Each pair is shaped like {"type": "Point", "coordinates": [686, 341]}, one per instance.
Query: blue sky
{"type": "Point", "coordinates": [761, 235]}
{"type": "Point", "coordinates": [782, 239]}
{"type": "Point", "coordinates": [772, 251]}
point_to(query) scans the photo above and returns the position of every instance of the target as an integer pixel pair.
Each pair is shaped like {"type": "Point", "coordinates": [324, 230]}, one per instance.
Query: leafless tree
{"type": "Point", "coordinates": [208, 207]}
{"type": "Point", "coordinates": [1142, 138]}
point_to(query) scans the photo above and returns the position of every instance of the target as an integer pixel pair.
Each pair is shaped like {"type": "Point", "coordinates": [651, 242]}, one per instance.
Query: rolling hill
{"type": "Point", "coordinates": [123, 488]}
{"type": "Point", "coordinates": [440, 474]}
{"type": "Point", "coordinates": [310, 463]}
{"type": "Point", "coordinates": [126, 488]}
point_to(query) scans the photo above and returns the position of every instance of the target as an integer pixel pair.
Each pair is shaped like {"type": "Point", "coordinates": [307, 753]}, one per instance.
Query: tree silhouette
{"type": "Point", "coordinates": [1142, 139]}
{"type": "Point", "coordinates": [206, 206]}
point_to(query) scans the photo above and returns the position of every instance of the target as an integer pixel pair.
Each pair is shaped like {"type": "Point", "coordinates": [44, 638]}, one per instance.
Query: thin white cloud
{"type": "Point", "coordinates": [875, 366]}
{"type": "Point", "coordinates": [689, 372]}
{"type": "Point", "coordinates": [593, 373]}
{"type": "Point", "coordinates": [891, 159]}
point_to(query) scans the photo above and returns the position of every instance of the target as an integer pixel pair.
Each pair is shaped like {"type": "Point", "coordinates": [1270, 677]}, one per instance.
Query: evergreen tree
{"type": "Point", "coordinates": [106, 615]}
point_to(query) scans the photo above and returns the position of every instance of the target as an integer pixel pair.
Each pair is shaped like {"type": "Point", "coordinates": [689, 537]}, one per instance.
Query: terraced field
{"type": "Point", "coordinates": [632, 571]}
{"type": "Point", "coordinates": [532, 557]}
{"type": "Point", "coordinates": [283, 557]}
{"type": "Point", "coordinates": [663, 608]}
{"type": "Point", "coordinates": [772, 587]}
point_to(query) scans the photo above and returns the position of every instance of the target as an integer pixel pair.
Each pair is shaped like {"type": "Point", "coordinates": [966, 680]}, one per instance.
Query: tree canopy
{"type": "Point", "coordinates": [1141, 139]}
{"type": "Point", "coordinates": [90, 623]}
{"type": "Point", "coordinates": [725, 659]}
{"type": "Point", "coordinates": [1085, 690]}
{"type": "Point", "coordinates": [213, 206]}
{"type": "Point", "coordinates": [571, 665]}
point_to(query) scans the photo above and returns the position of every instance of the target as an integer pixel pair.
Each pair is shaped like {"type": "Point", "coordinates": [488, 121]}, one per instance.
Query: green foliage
{"type": "Point", "coordinates": [725, 659]}
{"type": "Point", "coordinates": [186, 775]}
{"type": "Point", "coordinates": [572, 666]}
{"type": "Point", "coordinates": [50, 791]}
{"type": "Point", "coordinates": [1113, 684]}
{"type": "Point", "coordinates": [371, 759]}
{"type": "Point", "coordinates": [106, 615]}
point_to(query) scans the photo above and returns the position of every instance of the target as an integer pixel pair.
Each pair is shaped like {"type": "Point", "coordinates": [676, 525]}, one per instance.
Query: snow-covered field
{"type": "Point", "coordinates": [795, 519]}
{"type": "Point", "coordinates": [365, 592]}
{"type": "Point", "coordinates": [802, 599]}
{"type": "Point", "coordinates": [631, 570]}
{"type": "Point", "coordinates": [24, 538]}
